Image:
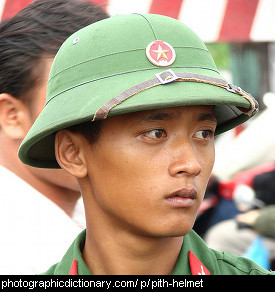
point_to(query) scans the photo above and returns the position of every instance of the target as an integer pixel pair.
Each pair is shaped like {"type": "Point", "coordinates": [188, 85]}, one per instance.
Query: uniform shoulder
{"type": "Point", "coordinates": [231, 264]}
{"type": "Point", "coordinates": [74, 252]}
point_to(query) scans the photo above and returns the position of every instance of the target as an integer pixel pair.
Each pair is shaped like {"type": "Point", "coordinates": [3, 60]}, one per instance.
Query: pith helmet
{"type": "Point", "coordinates": [129, 63]}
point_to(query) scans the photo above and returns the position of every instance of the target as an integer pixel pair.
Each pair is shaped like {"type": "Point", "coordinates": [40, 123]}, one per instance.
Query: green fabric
{"type": "Point", "coordinates": [108, 57]}
{"type": "Point", "coordinates": [218, 263]}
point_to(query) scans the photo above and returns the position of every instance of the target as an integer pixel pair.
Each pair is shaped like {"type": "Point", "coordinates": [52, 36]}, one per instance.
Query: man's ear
{"type": "Point", "coordinates": [14, 116]}
{"type": "Point", "coordinates": [69, 153]}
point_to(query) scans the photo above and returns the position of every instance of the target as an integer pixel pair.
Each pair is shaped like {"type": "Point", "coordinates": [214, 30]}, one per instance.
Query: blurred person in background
{"type": "Point", "coordinates": [238, 160]}
{"type": "Point", "coordinates": [254, 146]}
{"type": "Point", "coordinates": [41, 211]}
{"type": "Point", "coordinates": [257, 218]}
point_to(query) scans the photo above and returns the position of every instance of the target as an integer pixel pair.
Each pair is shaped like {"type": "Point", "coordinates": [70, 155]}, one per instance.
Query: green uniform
{"type": "Point", "coordinates": [194, 258]}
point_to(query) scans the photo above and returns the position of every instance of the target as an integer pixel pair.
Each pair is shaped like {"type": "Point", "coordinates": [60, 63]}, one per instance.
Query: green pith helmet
{"type": "Point", "coordinates": [129, 63]}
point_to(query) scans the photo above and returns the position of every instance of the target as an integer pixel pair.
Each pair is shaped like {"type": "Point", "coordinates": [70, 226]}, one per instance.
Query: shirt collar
{"type": "Point", "coordinates": [191, 260]}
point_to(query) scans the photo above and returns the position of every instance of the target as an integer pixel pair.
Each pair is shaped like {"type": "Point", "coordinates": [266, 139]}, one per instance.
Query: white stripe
{"type": "Point", "coordinates": [2, 5]}
{"type": "Point", "coordinates": [263, 28]}
{"type": "Point", "coordinates": [204, 17]}
{"type": "Point", "coordinates": [128, 6]}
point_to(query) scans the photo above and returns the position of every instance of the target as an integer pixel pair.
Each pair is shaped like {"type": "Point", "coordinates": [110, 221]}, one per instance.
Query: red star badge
{"type": "Point", "coordinates": [160, 53]}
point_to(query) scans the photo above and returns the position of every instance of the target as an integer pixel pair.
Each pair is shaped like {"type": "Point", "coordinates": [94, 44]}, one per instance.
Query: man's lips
{"type": "Point", "coordinates": [184, 197]}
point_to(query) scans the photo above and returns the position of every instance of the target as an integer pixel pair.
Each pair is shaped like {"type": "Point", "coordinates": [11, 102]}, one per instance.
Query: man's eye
{"type": "Point", "coordinates": [204, 134]}
{"type": "Point", "coordinates": [155, 134]}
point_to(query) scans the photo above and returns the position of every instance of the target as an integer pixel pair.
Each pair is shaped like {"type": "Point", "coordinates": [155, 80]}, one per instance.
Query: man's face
{"type": "Point", "coordinates": [149, 170]}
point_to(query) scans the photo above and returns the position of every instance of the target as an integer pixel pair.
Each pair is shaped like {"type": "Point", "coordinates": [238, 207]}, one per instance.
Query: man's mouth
{"type": "Point", "coordinates": [184, 197]}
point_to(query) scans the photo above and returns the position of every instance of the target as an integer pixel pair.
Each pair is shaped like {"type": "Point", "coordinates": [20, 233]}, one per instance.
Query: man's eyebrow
{"type": "Point", "coordinates": [163, 116]}
{"type": "Point", "coordinates": [207, 117]}
{"type": "Point", "coordinates": [158, 116]}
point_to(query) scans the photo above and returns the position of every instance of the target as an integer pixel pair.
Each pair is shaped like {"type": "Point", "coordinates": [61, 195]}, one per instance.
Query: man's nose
{"type": "Point", "coordinates": [185, 161]}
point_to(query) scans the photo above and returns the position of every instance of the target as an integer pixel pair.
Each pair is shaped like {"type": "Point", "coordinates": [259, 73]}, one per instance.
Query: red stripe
{"type": "Point", "coordinates": [164, 7]}
{"type": "Point", "coordinates": [197, 267]}
{"type": "Point", "coordinates": [73, 269]}
{"type": "Point", "coordinates": [238, 20]}
{"type": "Point", "coordinates": [102, 3]}
{"type": "Point", "coordinates": [13, 6]}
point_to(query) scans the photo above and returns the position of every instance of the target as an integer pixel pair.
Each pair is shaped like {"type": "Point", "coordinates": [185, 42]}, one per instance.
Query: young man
{"type": "Point", "coordinates": [38, 207]}
{"type": "Point", "coordinates": [133, 103]}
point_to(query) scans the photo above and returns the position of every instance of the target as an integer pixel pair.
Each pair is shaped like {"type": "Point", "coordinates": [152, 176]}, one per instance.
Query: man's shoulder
{"type": "Point", "coordinates": [225, 263]}
{"type": "Point", "coordinates": [73, 254]}
{"type": "Point", "coordinates": [231, 264]}
{"type": "Point", "coordinates": [217, 262]}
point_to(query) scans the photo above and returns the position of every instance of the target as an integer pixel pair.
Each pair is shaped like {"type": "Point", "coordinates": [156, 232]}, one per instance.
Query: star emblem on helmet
{"type": "Point", "coordinates": [160, 53]}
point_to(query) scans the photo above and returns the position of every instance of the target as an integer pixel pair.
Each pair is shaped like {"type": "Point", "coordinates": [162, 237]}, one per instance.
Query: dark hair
{"type": "Point", "coordinates": [89, 130]}
{"type": "Point", "coordinates": [35, 32]}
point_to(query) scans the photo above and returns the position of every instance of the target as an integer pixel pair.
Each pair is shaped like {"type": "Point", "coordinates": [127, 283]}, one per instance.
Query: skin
{"type": "Point", "coordinates": [248, 217]}
{"type": "Point", "coordinates": [129, 180]}
{"type": "Point", "coordinates": [16, 118]}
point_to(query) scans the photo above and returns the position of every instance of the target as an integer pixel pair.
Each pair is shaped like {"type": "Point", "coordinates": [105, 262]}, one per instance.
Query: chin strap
{"type": "Point", "coordinates": [169, 76]}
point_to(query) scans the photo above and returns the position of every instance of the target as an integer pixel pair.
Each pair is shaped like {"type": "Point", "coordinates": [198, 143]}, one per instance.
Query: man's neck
{"type": "Point", "coordinates": [122, 253]}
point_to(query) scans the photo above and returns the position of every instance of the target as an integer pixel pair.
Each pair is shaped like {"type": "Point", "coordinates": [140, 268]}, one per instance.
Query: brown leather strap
{"type": "Point", "coordinates": [168, 76]}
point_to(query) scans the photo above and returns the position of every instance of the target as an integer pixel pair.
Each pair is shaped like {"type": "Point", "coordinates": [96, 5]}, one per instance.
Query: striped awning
{"type": "Point", "coordinates": [212, 20]}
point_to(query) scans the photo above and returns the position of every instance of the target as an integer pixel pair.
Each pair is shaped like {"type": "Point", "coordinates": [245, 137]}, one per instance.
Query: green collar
{"type": "Point", "coordinates": [193, 258]}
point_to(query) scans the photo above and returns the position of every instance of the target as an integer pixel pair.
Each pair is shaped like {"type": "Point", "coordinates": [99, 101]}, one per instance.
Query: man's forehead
{"type": "Point", "coordinates": [198, 112]}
